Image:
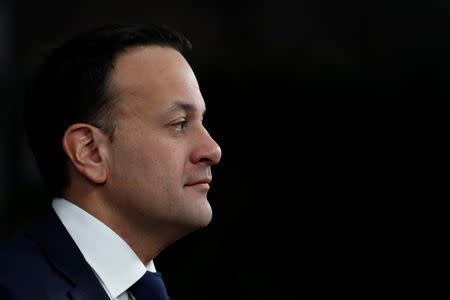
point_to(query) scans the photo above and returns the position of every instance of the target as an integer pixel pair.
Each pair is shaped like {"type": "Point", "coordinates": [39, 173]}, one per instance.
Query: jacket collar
{"type": "Point", "coordinates": [65, 257]}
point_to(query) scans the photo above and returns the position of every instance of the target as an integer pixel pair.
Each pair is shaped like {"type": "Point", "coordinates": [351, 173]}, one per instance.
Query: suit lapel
{"type": "Point", "coordinates": [65, 257]}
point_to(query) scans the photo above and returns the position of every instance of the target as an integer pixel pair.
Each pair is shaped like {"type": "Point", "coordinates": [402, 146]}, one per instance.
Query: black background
{"type": "Point", "coordinates": [333, 120]}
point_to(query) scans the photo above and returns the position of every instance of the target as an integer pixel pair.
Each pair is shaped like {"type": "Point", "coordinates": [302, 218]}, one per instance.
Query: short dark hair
{"type": "Point", "coordinates": [71, 87]}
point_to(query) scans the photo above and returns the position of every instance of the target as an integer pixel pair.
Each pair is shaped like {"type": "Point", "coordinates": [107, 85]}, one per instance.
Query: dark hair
{"type": "Point", "coordinates": [71, 86]}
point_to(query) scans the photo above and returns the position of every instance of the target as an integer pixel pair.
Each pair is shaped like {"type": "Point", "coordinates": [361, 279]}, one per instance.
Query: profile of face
{"type": "Point", "coordinates": [159, 162]}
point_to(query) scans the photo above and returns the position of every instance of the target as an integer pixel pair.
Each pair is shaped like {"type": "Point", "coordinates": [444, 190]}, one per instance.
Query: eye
{"type": "Point", "coordinates": [179, 126]}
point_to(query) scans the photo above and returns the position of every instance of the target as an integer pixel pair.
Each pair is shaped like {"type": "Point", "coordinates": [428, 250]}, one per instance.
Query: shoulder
{"type": "Point", "coordinates": [21, 259]}
{"type": "Point", "coordinates": [26, 272]}
{"type": "Point", "coordinates": [17, 253]}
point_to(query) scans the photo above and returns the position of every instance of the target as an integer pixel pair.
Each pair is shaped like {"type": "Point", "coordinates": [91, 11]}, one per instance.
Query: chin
{"type": "Point", "coordinates": [207, 219]}
{"type": "Point", "coordinates": [202, 215]}
{"type": "Point", "coordinates": [205, 215]}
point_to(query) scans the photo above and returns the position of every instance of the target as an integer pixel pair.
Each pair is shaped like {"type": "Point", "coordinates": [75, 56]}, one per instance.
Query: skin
{"type": "Point", "coordinates": [150, 183]}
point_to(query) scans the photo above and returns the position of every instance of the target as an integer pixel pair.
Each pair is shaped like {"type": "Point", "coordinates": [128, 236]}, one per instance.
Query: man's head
{"type": "Point", "coordinates": [118, 112]}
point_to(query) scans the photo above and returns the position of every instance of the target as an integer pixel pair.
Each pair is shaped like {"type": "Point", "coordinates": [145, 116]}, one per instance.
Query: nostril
{"type": "Point", "coordinates": [207, 153]}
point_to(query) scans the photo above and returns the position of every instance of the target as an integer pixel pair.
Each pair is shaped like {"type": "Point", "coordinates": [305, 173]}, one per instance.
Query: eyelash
{"type": "Point", "coordinates": [179, 126]}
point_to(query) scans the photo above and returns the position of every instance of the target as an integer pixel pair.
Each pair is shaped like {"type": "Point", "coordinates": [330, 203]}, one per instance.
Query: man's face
{"type": "Point", "coordinates": [160, 159]}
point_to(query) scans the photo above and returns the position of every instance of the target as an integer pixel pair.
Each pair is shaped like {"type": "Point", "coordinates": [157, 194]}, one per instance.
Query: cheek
{"type": "Point", "coordinates": [154, 164]}
{"type": "Point", "coordinates": [170, 162]}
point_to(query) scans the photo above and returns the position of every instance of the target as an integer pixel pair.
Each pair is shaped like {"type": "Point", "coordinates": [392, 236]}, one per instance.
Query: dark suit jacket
{"type": "Point", "coordinates": [45, 263]}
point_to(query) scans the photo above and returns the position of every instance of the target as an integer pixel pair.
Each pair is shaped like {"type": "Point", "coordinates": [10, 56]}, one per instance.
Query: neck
{"type": "Point", "coordinates": [146, 240]}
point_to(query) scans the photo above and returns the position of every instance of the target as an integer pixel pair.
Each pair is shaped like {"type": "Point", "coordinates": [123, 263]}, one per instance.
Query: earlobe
{"type": "Point", "coordinates": [83, 144]}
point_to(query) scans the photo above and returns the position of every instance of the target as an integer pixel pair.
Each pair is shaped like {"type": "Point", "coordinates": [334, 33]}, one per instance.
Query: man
{"type": "Point", "coordinates": [114, 119]}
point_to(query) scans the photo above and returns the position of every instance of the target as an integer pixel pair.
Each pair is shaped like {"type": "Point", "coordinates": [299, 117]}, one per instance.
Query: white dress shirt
{"type": "Point", "coordinates": [116, 265]}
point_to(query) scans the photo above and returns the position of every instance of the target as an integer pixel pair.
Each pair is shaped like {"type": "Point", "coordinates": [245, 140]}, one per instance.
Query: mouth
{"type": "Point", "coordinates": [202, 183]}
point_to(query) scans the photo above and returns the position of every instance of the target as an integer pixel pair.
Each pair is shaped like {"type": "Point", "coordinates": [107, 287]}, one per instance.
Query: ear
{"type": "Point", "coordinates": [84, 145]}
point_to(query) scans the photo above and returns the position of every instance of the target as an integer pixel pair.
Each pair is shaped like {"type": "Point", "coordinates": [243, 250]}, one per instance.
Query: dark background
{"type": "Point", "coordinates": [332, 117]}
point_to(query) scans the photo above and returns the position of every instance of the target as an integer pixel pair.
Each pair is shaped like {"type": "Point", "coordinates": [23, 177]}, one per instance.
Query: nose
{"type": "Point", "coordinates": [206, 150]}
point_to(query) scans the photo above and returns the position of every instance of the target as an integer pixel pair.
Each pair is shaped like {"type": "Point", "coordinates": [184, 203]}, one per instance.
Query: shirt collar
{"type": "Point", "coordinates": [112, 259]}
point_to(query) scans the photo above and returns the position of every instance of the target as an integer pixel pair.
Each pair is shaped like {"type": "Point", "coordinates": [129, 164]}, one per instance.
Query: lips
{"type": "Point", "coordinates": [199, 181]}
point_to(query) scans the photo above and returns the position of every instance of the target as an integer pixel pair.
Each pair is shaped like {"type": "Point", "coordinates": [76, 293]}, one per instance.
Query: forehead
{"type": "Point", "coordinates": [153, 78]}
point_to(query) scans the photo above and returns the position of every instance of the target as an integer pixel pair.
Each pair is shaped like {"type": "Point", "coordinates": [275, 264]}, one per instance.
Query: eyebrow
{"type": "Point", "coordinates": [186, 107]}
